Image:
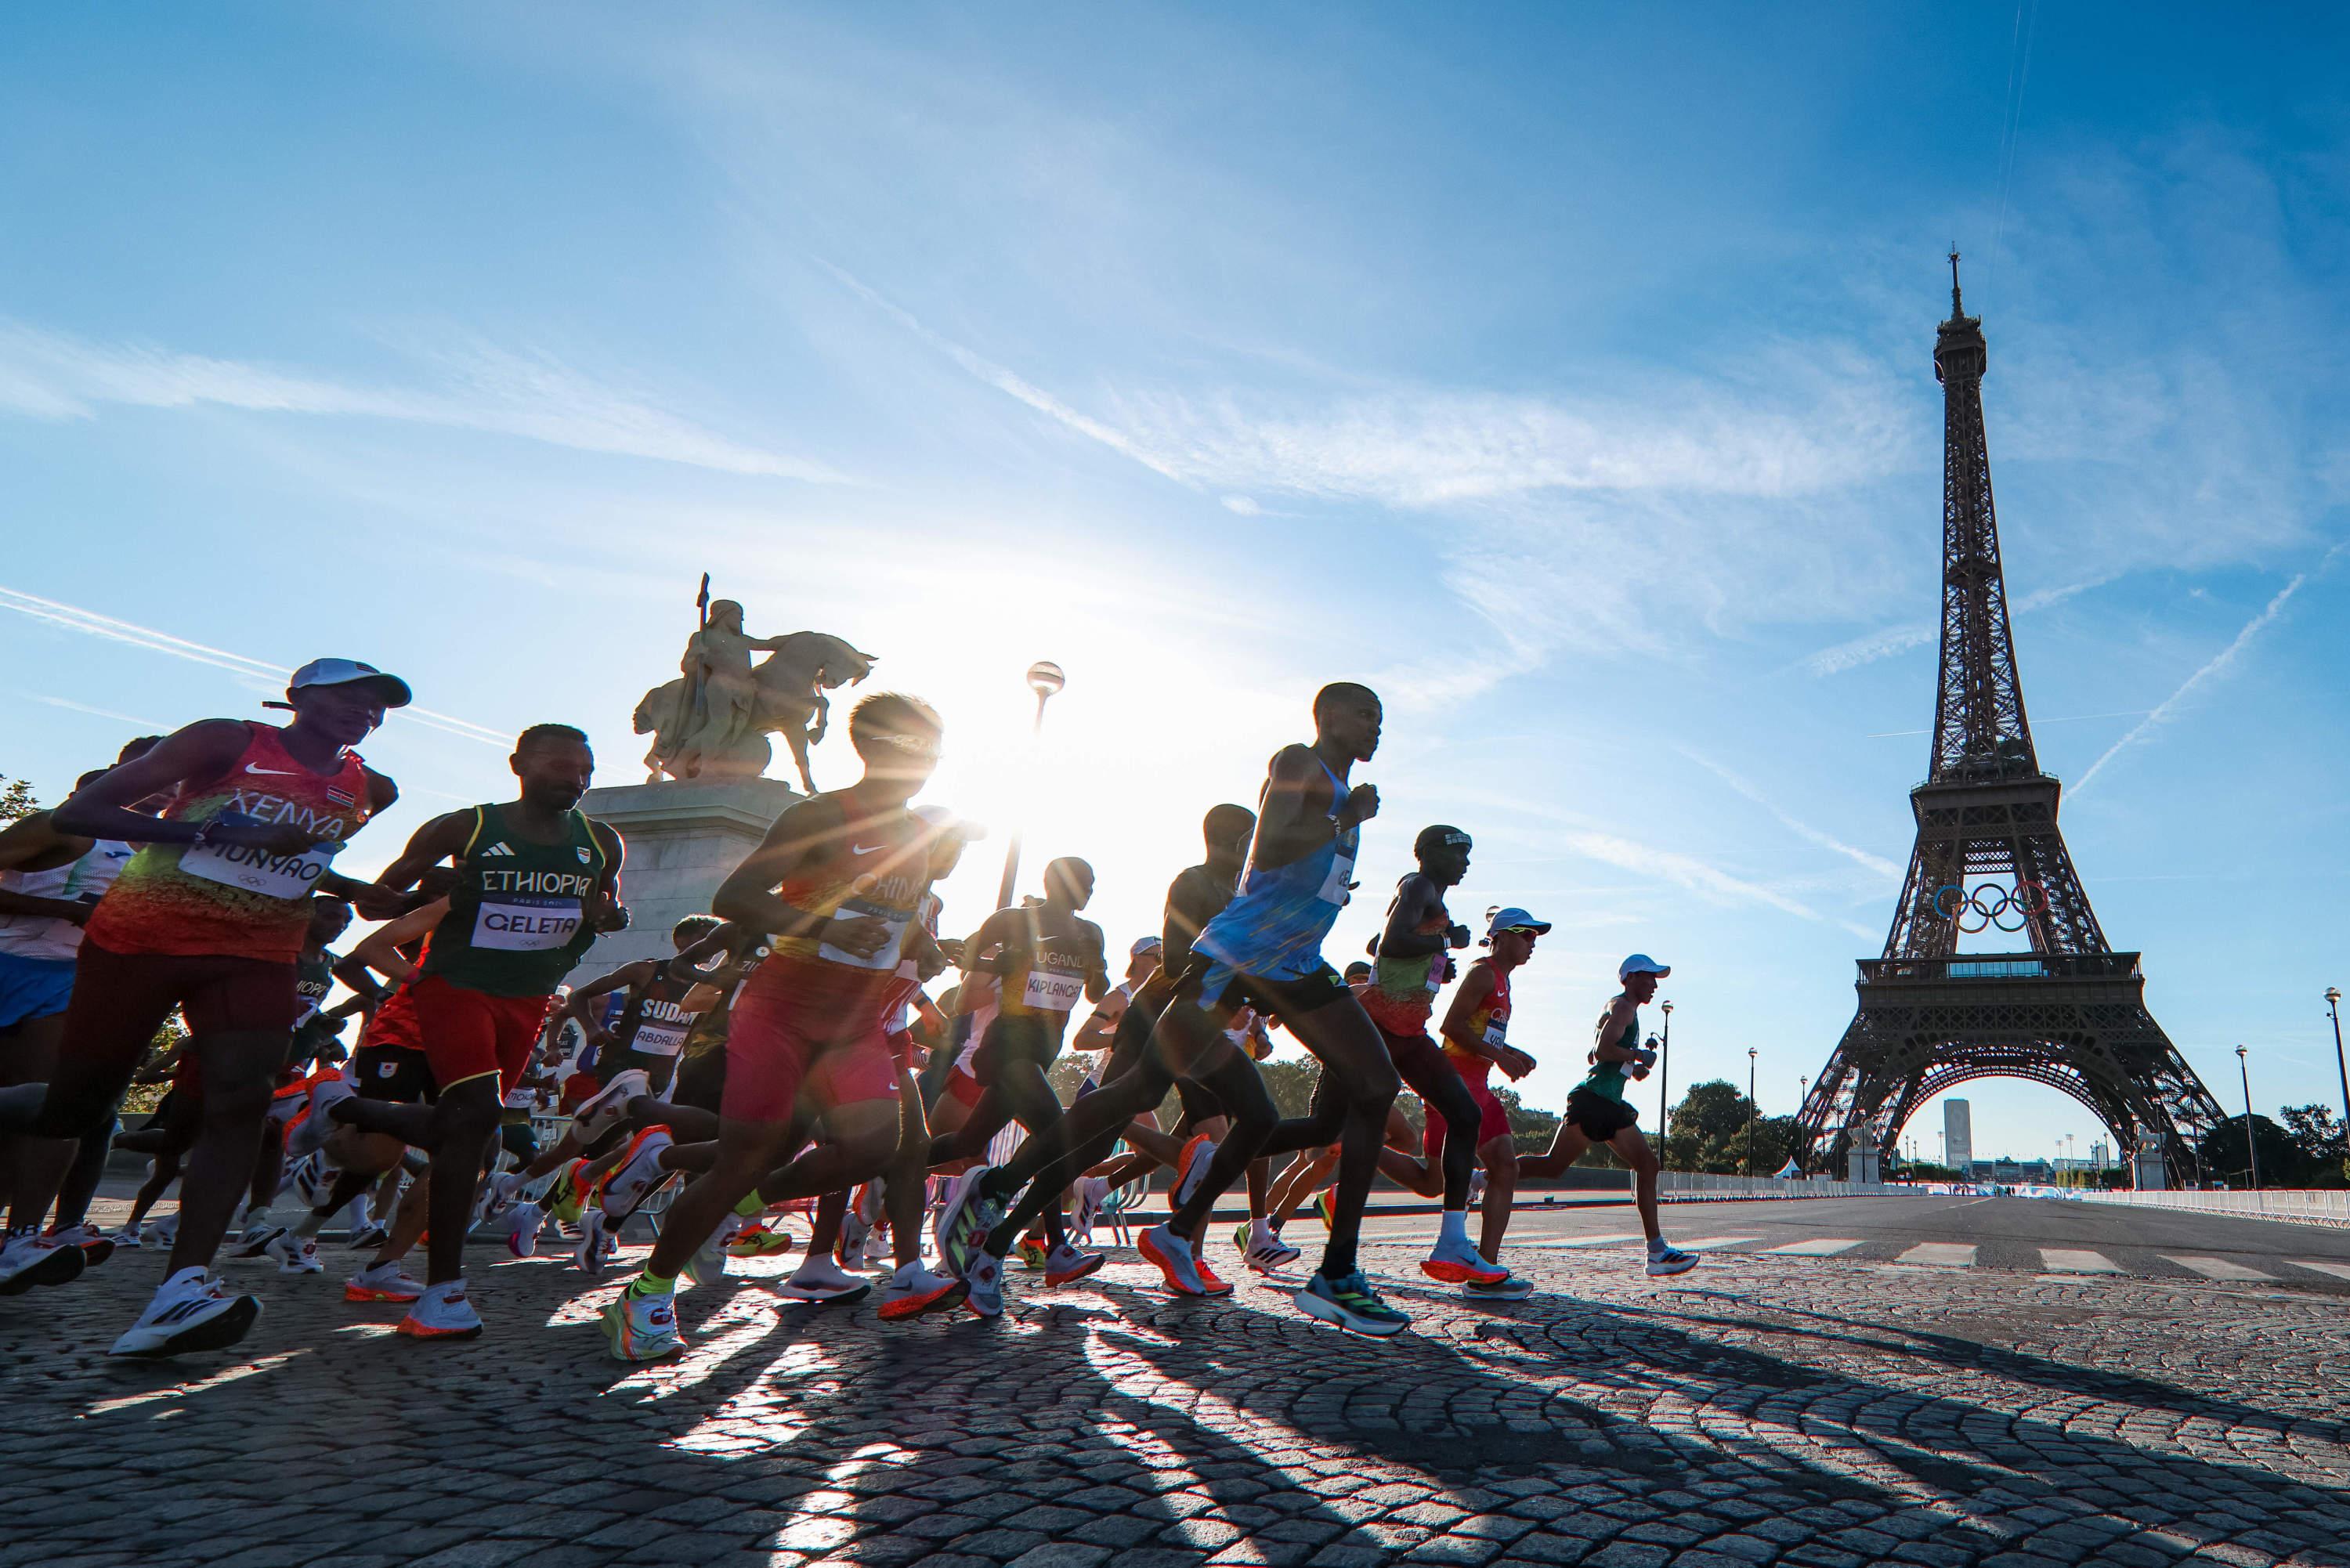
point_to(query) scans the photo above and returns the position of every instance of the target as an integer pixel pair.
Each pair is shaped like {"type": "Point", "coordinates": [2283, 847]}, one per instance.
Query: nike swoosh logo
{"type": "Point", "coordinates": [866, 848]}
{"type": "Point", "coordinates": [279, 773]}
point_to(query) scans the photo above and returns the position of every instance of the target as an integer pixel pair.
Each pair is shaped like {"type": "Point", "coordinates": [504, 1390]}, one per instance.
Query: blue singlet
{"type": "Point", "coordinates": [1274, 929]}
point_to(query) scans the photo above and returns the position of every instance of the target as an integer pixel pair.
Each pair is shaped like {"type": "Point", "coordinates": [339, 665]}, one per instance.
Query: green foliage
{"type": "Point", "coordinates": [143, 1098]}
{"type": "Point", "coordinates": [1710, 1131]}
{"type": "Point", "coordinates": [2282, 1162]}
{"type": "Point", "coordinates": [17, 800]}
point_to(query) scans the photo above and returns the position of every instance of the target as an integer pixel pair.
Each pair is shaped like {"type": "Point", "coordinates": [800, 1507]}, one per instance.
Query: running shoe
{"type": "Point", "coordinates": [524, 1222]}
{"type": "Point", "coordinates": [1064, 1265]}
{"type": "Point", "coordinates": [31, 1259]}
{"type": "Point", "coordinates": [638, 1176]}
{"type": "Point", "coordinates": [95, 1246]}
{"type": "Point", "coordinates": [1664, 1258]}
{"type": "Point", "coordinates": [848, 1247]}
{"type": "Point", "coordinates": [1509, 1289]}
{"type": "Point", "coordinates": [642, 1328]}
{"type": "Point", "coordinates": [1190, 1166]}
{"type": "Point", "coordinates": [1351, 1304]}
{"type": "Point", "coordinates": [1476, 1187]}
{"type": "Point", "coordinates": [589, 1255]}
{"type": "Point", "coordinates": [603, 1111]}
{"type": "Point", "coordinates": [498, 1194]}
{"type": "Point", "coordinates": [311, 1132]}
{"type": "Point", "coordinates": [1325, 1207]}
{"type": "Point", "coordinates": [126, 1237]}
{"type": "Point", "coordinates": [297, 1255]}
{"type": "Point", "coordinates": [1215, 1283]}
{"type": "Point", "coordinates": [1161, 1246]}
{"type": "Point", "coordinates": [189, 1312]}
{"type": "Point", "coordinates": [1032, 1255]}
{"type": "Point", "coordinates": [708, 1264]}
{"type": "Point", "coordinates": [1093, 1192]}
{"type": "Point", "coordinates": [164, 1231]}
{"type": "Point", "coordinates": [1456, 1262]}
{"type": "Point", "coordinates": [986, 1283]}
{"type": "Point", "coordinates": [309, 1179]}
{"type": "Point", "coordinates": [970, 1213]}
{"type": "Point", "coordinates": [255, 1241]}
{"type": "Point", "coordinates": [382, 1283]}
{"type": "Point", "coordinates": [819, 1279]}
{"type": "Point", "coordinates": [914, 1291]}
{"type": "Point", "coordinates": [366, 1238]}
{"type": "Point", "coordinates": [1267, 1255]}
{"type": "Point", "coordinates": [442, 1312]}
{"type": "Point", "coordinates": [760, 1241]}
{"type": "Point", "coordinates": [569, 1191]}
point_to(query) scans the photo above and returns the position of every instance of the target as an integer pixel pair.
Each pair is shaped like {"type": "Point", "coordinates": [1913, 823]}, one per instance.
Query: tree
{"type": "Point", "coordinates": [16, 801]}
{"type": "Point", "coordinates": [2224, 1158]}
{"type": "Point", "coordinates": [2321, 1149]}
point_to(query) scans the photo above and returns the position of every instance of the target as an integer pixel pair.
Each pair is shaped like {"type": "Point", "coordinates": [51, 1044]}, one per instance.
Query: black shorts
{"type": "Point", "coordinates": [1599, 1118]}
{"type": "Point", "coordinates": [395, 1073]}
{"type": "Point", "coordinates": [1275, 998]}
{"type": "Point", "coordinates": [701, 1080]}
{"type": "Point", "coordinates": [1199, 1104]}
{"type": "Point", "coordinates": [1013, 1037]}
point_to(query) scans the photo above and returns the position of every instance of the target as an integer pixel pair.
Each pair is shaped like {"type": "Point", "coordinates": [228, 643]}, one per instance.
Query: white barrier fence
{"type": "Point", "coordinates": [1697, 1187]}
{"type": "Point", "coordinates": [2302, 1206]}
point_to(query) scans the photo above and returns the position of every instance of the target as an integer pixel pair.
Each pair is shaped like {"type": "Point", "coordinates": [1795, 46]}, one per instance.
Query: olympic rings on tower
{"type": "Point", "coordinates": [1989, 906]}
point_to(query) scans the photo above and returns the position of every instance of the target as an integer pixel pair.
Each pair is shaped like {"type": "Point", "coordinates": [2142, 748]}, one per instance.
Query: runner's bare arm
{"type": "Point", "coordinates": [1097, 962]}
{"type": "Point", "coordinates": [442, 838]}
{"type": "Point", "coordinates": [1467, 998]}
{"type": "Point", "coordinates": [627, 976]}
{"type": "Point", "coordinates": [988, 951]}
{"type": "Point", "coordinates": [205, 749]}
{"type": "Point", "coordinates": [929, 958]}
{"type": "Point", "coordinates": [34, 844]}
{"type": "Point", "coordinates": [1416, 897]}
{"type": "Point", "coordinates": [1191, 903]}
{"type": "Point", "coordinates": [1611, 1030]}
{"type": "Point", "coordinates": [380, 948]}
{"type": "Point", "coordinates": [609, 914]}
{"type": "Point", "coordinates": [1099, 1030]}
{"type": "Point", "coordinates": [748, 895]}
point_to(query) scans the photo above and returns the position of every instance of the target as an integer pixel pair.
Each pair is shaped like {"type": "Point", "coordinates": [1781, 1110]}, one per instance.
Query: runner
{"type": "Point", "coordinates": [314, 979]}
{"type": "Point", "coordinates": [207, 918]}
{"type": "Point", "coordinates": [838, 882]}
{"type": "Point", "coordinates": [536, 880]}
{"type": "Point", "coordinates": [1264, 949]}
{"type": "Point", "coordinates": [648, 1036]}
{"type": "Point", "coordinates": [1413, 965]}
{"type": "Point", "coordinates": [1597, 1111]}
{"type": "Point", "coordinates": [1476, 1041]}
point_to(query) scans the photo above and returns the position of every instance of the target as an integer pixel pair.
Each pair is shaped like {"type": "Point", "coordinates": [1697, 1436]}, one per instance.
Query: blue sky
{"type": "Point", "coordinates": [1565, 373]}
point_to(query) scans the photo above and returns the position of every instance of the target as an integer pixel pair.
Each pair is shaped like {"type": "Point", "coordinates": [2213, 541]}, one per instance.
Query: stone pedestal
{"type": "Point", "coordinates": [683, 838]}
{"type": "Point", "coordinates": [1860, 1161]}
{"type": "Point", "coordinates": [2148, 1173]}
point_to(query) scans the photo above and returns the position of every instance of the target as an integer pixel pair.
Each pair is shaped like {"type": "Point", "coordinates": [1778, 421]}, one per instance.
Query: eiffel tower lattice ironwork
{"type": "Point", "coordinates": [2069, 1012]}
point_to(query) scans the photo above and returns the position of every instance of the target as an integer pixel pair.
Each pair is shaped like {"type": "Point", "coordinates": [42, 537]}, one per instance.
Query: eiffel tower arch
{"type": "Point", "coordinates": [2064, 1009]}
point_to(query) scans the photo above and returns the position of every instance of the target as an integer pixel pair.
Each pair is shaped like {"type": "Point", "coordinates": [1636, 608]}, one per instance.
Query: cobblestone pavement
{"type": "Point", "coordinates": [1764, 1409]}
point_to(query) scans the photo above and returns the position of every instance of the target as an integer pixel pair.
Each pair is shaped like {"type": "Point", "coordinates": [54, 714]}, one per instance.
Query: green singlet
{"type": "Point", "coordinates": [1607, 1078]}
{"type": "Point", "coordinates": [517, 920]}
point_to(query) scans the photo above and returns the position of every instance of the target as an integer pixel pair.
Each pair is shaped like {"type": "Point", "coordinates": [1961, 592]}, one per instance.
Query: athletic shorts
{"type": "Point", "coordinates": [398, 1074]}
{"type": "Point", "coordinates": [902, 1047]}
{"type": "Point", "coordinates": [779, 1047]}
{"type": "Point", "coordinates": [33, 988]}
{"type": "Point", "coordinates": [119, 1000]}
{"type": "Point", "coordinates": [962, 1088]}
{"type": "Point", "coordinates": [1012, 1038]}
{"type": "Point", "coordinates": [701, 1080]}
{"type": "Point", "coordinates": [1492, 1119]}
{"type": "Point", "coordinates": [1599, 1118]}
{"type": "Point", "coordinates": [1219, 985]}
{"type": "Point", "coordinates": [659, 1072]}
{"type": "Point", "coordinates": [1418, 1062]}
{"type": "Point", "coordinates": [472, 1035]}
{"type": "Point", "coordinates": [1199, 1104]}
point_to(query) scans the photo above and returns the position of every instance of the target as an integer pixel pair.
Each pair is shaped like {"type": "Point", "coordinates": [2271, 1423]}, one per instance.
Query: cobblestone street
{"type": "Point", "coordinates": [1762, 1409]}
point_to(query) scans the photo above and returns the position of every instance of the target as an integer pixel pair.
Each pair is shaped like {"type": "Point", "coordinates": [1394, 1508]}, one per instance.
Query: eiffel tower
{"type": "Point", "coordinates": [2067, 1010]}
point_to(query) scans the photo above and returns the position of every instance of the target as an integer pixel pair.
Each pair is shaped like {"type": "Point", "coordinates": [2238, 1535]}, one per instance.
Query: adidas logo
{"type": "Point", "coordinates": [498, 848]}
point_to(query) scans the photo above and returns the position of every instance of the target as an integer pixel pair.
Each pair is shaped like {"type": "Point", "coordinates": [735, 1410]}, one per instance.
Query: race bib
{"type": "Point", "coordinates": [526, 925]}
{"type": "Point", "coordinates": [889, 955]}
{"type": "Point", "coordinates": [1497, 1032]}
{"type": "Point", "coordinates": [1335, 887]}
{"type": "Point", "coordinates": [659, 1039]}
{"type": "Point", "coordinates": [257, 870]}
{"type": "Point", "coordinates": [1439, 968]}
{"type": "Point", "coordinates": [1049, 990]}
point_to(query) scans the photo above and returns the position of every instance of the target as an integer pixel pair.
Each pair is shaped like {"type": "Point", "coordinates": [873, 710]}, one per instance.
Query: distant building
{"type": "Point", "coordinates": [2100, 1157]}
{"type": "Point", "coordinates": [1958, 1136]}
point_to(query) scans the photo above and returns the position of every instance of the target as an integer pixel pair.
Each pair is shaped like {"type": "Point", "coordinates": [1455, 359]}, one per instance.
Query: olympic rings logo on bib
{"type": "Point", "coordinates": [1988, 908]}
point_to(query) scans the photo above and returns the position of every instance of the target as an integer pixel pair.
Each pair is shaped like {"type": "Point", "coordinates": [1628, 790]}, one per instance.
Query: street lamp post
{"type": "Point", "coordinates": [2334, 1008]}
{"type": "Point", "coordinates": [2251, 1152]}
{"type": "Point", "coordinates": [1749, 1110]}
{"type": "Point", "coordinates": [1044, 679]}
{"type": "Point", "coordinates": [1665, 1086]}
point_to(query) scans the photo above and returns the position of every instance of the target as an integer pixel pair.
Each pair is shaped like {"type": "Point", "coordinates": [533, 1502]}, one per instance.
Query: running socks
{"type": "Point", "coordinates": [651, 1284]}
{"type": "Point", "coordinates": [1453, 1227]}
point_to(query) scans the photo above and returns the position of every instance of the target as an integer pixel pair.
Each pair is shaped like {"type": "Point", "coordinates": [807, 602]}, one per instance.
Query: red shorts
{"type": "Point", "coordinates": [471, 1034]}
{"type": "Point", "coordinates": [963, 1087]}
{"type": "Point", "coordinates": [901, 1048]}
{"type": "Point", "coordinates": [119, 1000]}
{"type": "Point", "coordinates": [779, 1046]}
{"type": "Point", "coordinates": [1492, 1120]}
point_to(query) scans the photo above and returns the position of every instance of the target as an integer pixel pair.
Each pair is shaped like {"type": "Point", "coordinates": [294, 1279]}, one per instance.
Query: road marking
{"type": "Point", "coordinates": [1582, 1242]}
{"type": "Point", "coordinates": [2057, 1260]}
{"type": "Point", "coordinates": [2339, 1270]}
{"type": "Point", "coordinates": [2217, 1268]}
{"type": "Point", "coordinates": [1818, 1247]}
{"type": "Point", "coordinates": [1704, 1243]}
{"type": "Point", "coordinates": [1951, 1254]}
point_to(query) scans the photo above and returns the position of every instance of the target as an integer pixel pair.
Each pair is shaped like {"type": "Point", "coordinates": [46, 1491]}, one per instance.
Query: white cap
{"type": "Point", "coordinates": [350, 673]}
{"type": "Point", "coordinates": [1145, 945]}
{"type": "Point", "coordinates": [1641, 963]}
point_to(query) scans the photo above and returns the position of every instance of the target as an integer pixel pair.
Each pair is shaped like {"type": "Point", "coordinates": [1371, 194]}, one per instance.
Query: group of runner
{"type": "Point", "coordinates": [787, 1055]}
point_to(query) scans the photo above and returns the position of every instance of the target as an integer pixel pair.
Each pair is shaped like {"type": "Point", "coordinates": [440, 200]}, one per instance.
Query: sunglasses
{"type": "Point", "coordinates": [1521, 931]}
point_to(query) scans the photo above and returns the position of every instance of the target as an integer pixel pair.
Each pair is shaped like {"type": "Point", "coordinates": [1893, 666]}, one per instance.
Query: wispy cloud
{"type": "Point", "coordinates": [95, 712]}
{"type": "Point", "coordinates": [55, 376]}
{"type": "Point", "coordinates": [2213, 669]}
{"type": "Point", "coordinates": [1876, 864]}
{"type": "Point", "coordinates": [1898, 639]}
{"type": "Point", "coordinates": [257, 672]}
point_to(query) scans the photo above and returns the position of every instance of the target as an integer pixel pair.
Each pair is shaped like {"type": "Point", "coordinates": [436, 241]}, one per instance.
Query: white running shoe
{"type": "Point", "coordinates": [442, 1312]}
{"type": "Point", "coordinates": [255, 1241]}
{"type": "Point", "coordinates": [1066, 1265]}
{"type": "Point", "coordinates": [95, 1244]}
{"type": "Point", "coordinates": [1476, 1188]}
{"type": "Point", "coordinates": [311, 1132]}
{"type": "Point", "coordinates": [589, 1255]}
{"type": "Point", "coordinates": [638, 1175]}
{"type": "Point", "coordinates": [601, 1112]}
{"type": "Point", "coordinates": [819, 1279]}
{"type": "Point", "coordinates": [296, 1254]}
{"type": "Point", "coordinates": [126, 1237]}
{"type": "Point", "coordinates": [1093, 1192]}
{"type": "Point", "coordinates": [1509, 1289]}
{"type": "Point", "coordinates": [914, 1289]}
{"type": "Point", "coordinates": [985, 1278]}
{"type": "Point", "coordinates": [1267, 1254]}
{"type": "Point", "coordinates": [525, 1221]}
{"type": "Point", "coordinates": [708, 1264]}
{"type": "Point", "coordinates": [382, 1283]}
{"type": "Point", "coordinates": [31, 1259]}
{"type": "Point", "coordinates": [189, 1312]}
{"type": "Point", "coordinates": [164, 1231]}
{"type": "Point", "coordinates": [1664, 1258]}
{"type": "Point", "coordinates": [499, 1193]}
{"type": "Point", "coordinates": [642, 1328]}
{"type": "Point", "coordinates": [312, 1179]}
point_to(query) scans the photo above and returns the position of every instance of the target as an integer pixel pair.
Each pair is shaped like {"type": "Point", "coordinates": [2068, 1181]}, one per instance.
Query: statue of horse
{"type": "Point", "coordinates": [788, 686]}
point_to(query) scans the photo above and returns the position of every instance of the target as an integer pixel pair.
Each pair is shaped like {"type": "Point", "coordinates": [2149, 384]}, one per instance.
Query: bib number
{"type": "Point", "coordinates": [1497, 1032]}
{"type": "Point", "coordinates": [257, 870]}
{"type": "Point", "coordinates": [1334, 887]}
{"type": "Point", "coordinates": [658, 1040]}
{"type": "Point", "coordinates": [528, 926]}
{"type": "Point", "coordinates": [1050, 991]}
{"type": "Point", "coordinates": [889, 955]}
